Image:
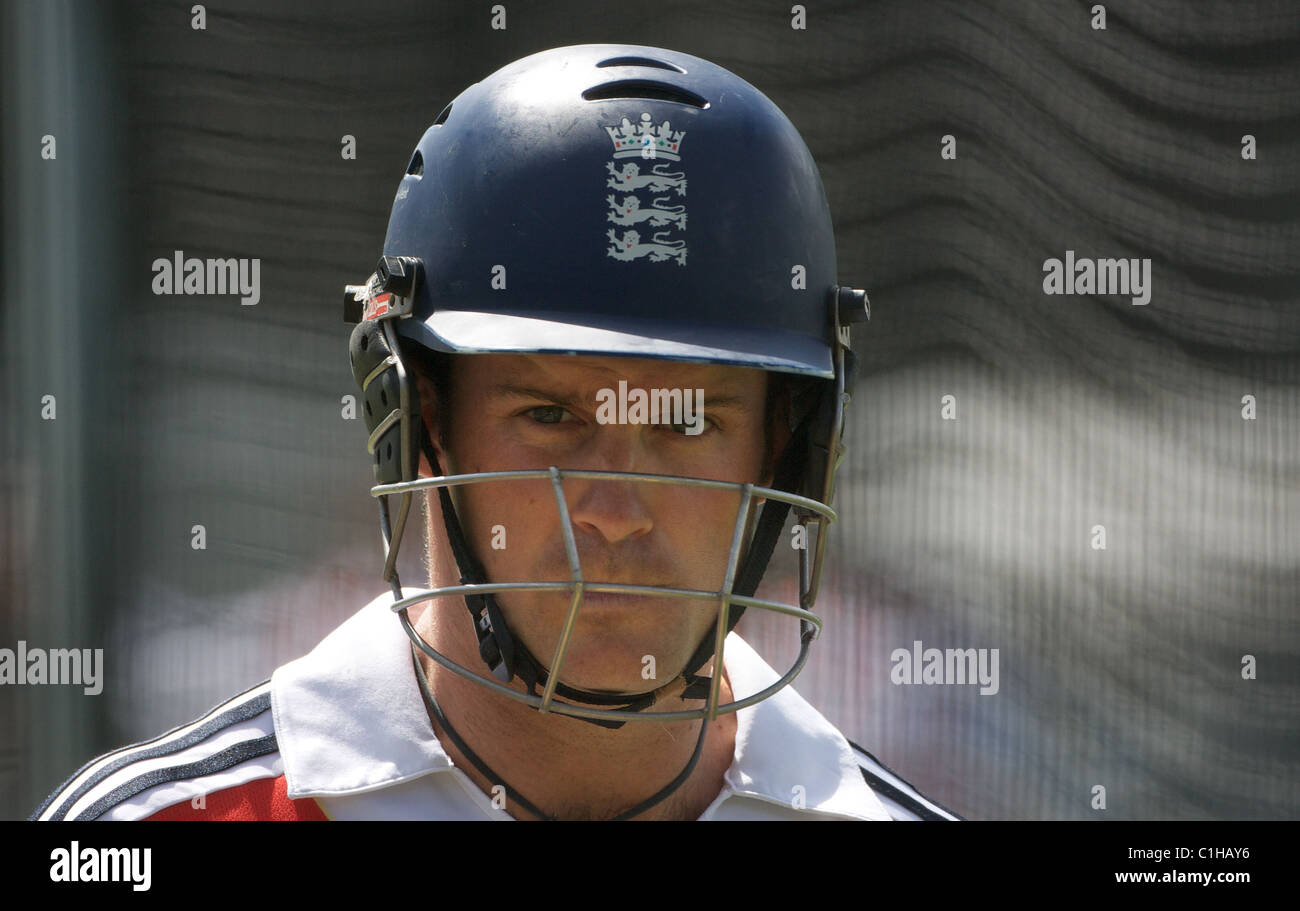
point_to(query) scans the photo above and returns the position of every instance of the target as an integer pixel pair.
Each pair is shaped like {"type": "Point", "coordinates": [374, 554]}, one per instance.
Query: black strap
{"type": "Point", "coordinates": [486, 771]}
{"type": "Point", "coordinates": [461, 745]}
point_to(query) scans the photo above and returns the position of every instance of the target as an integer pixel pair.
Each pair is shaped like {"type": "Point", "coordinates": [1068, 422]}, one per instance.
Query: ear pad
{"type": "Point", "coordinates": [368, 349]}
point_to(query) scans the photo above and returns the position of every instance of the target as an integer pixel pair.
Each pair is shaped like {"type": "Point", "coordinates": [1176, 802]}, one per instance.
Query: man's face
{"type": "Point", "coordinates": [531, 411]}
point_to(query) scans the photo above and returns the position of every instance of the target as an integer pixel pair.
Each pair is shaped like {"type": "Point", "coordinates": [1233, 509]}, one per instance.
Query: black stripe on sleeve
{"type": "Point", "coordinates": [249, 710]}
{"type": "Point", "coordinates": [218, 762]}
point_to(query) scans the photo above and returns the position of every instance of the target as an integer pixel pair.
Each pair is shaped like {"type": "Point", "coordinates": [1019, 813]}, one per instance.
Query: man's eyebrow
{"type": "Point", "coordinates": [726, 403]}
{"type": "Point", "coordinates": [512, 390]}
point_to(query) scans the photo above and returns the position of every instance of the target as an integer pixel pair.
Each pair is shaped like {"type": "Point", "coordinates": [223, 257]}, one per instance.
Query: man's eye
{"type": "Point", "coordinates": [547, 414]}
{"type": "Point", "coordinates": [703, 423]}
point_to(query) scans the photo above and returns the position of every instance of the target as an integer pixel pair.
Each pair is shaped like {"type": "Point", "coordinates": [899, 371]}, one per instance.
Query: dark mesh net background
{"type": "Point", "coordinates": [1119, 667]}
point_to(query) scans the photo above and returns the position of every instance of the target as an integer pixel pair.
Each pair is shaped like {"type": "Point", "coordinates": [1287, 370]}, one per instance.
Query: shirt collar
{"type": "Point", "coordinates": [349, 719]}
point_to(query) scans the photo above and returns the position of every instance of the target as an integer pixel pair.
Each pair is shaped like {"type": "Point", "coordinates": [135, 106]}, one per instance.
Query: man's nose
{"type": "Point", "coordinates": [616, 510]}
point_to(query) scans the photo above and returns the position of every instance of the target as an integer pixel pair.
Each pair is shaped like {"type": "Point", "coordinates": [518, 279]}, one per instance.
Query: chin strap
{"type": "Point", "coordinates": [486, 771]}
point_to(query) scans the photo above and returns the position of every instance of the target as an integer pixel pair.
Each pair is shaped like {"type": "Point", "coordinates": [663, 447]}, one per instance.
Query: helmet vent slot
{"type": "Point", "coordinates": [416, 167]}
{"type": "Point", "coordinates": [644, 88]}
{"type": "Point", "coordinates": [641, 61]}
{"type": "Point", "coordinates": [442, 118]}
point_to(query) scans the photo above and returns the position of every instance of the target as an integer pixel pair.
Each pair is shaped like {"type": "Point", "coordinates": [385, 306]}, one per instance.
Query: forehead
{"type": "Point", "coordinates": [571, 373]}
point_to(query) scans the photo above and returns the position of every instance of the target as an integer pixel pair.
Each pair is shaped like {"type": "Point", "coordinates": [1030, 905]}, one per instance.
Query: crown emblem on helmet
{"type": "Point", "coordinates": [645, 139]}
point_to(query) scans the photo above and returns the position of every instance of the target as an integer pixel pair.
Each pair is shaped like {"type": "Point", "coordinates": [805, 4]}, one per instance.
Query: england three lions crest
{"type": "Point", "coordinates": [638, 182]}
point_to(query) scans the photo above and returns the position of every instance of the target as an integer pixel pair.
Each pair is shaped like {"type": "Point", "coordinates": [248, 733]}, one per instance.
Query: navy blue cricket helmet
{"type": "Point", "coordinates": [641, 201]}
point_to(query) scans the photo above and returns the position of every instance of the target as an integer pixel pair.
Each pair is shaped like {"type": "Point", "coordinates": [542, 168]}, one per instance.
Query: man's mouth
{"type": "Point", "coordinates": [612, 599]}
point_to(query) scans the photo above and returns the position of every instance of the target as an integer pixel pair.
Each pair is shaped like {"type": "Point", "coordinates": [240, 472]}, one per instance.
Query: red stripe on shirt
{"type": "Point", "coordinates": [266, 799]}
